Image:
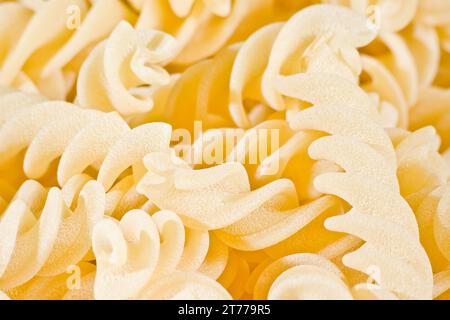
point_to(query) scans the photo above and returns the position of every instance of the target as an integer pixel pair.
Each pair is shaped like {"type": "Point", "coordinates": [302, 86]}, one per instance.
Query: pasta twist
{"type": "Point", "coordinates": [137, 258]}
{"type": "Point", "coordinates": [127, 60]}
{"type": "Point", "coordinates": [433, 215]}
{"type": "Point", "coordinates": [391, 15]}
{"type": "Point", "coordinates": [406, 56]}
{"type": "Point", "coordinates": [207, 90]}
{"type": "Point", "coordinates": [269, 151]}
{"type": "Point", "coordinates": [433, 105]}
{"type": "Point", "coordinates": [301, 182]}
{"type": "Point", "coordinates": [307, 277]}
{"type": "Point", "coordinates": [75, 283]}
{"type": "Point", "coordinates": [79, 138]}
{"type": "Point", "coordinates": [202, 27]}
{"type": "Point", "coordinates": [46, 231]}
{"type": "Point", "coordinates": [433, 108]}
{"type": "Point", "coordinates": [354, 127]}
{"type": "Point", "coordinates": [420, 166]}
{"type": "Point", "coordinates": [53, 36]}
{"type": "Point", "coordinates": [220, 198]}
{"type": "Point", "coordinates": [434, 12]}
{"type": "Point", "coordinates": [423, 175]}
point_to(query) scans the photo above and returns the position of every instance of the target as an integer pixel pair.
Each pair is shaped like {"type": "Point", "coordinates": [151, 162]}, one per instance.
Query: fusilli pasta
{"type": "Point", "coordinates": [52, 37]}
{"type": "Point", "coordinates": [225, 149]}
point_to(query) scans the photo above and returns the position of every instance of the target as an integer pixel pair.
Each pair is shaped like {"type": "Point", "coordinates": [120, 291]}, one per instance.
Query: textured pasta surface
{"type": "Point", "coordinates": [225, 149]}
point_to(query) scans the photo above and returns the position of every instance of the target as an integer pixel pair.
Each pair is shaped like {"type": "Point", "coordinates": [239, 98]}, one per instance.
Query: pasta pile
{"type": "Point", "coordinates": [225, 149]}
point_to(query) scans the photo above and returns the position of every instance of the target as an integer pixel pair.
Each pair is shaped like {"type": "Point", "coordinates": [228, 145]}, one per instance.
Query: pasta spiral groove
{"type": "Point", "coordinates": [225, 149]}
{"type": "Point", "coordinates": [46, 231]}
{"type": "Point", "coordinates": [82, 138]}
{"type": "Point", "coordinates": [357, 128]}
{"type": "Point", "coordinates": [125, 270]}
{"type": "Point", "coordinates": [54, 41]}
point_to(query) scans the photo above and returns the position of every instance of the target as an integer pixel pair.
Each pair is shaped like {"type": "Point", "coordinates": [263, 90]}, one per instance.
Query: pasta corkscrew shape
{"type": "Point", "coordinates": [423, 175]}
{"type": "Point", "coordinates": [51, 37]}
{"type": "Point", "coordinates": [82, 138]}
{"type": "Point", "coordinates": [137, 258]}
{"type": "Point", "coordinates": [46, 231]}
{"type": "Point", "coordinates": [353, 126]}
{"type": "Point", "coordinates": [319, 167]}
{"type": "Point", "coordinates": [127, 60]}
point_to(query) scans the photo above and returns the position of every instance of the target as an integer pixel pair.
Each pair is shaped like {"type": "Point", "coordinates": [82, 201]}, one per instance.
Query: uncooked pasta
{"type": "Point", "coordinates": [225, 149]}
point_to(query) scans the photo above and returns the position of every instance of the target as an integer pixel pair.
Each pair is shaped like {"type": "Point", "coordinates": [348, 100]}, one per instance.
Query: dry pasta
{"type": "Point", "coordinates": [51, 37]}
{"type": "Point", "coordinates": [85, 137]}
{"type": "Point", "coordinates": [165, 248]}
{"type": "Point", "coordinates": [351, 184]}
{"type": "Point", "coordinates": [225, 149]}
{"type": "Point", "coordinates": [423, 175]}
{"type": "Point", "coordinates": [202, 27]}
{"type": "Point", "coordinates": [109, 72]}
{"type": "Point", "coordinates": [45, 231]}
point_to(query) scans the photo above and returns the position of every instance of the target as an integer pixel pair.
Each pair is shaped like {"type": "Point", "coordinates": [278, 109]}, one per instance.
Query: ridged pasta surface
{"type": "Point", "coordinates": [225, 149]}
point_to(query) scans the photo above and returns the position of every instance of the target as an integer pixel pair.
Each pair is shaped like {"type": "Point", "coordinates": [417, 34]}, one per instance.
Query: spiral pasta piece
{"type": "Point", "coordinates": [51, 36]}
{"type": "Point", "coordinates": [224, 149]}
{"type": "Point", "coordinates": [423, 175]}
{"type": "Point", "coordinates": [46, 231]}
{"type": "Point", "coordinates": [402, 60]}
{"type": "Point", "coordinates": [205, 199]}
{"type": "Point", "coordinates": [75, 283]}
{"type": "Point", "coordinates": [420, 166]}
{"type": "Point", "coordinates": [301, 276]}
{"type": "Point", "coordinates": [269, 151]}
{"type": "Point", "coordinates": [3, 296]}
{"type": "Point", "coordinates": [137, 258]}
{"type": "Point", "coordinates": [203, 27]}
{"type": "Point", "coordinates": [310, 277]}
{"type": "Point", "coordinates": [434, 12]}
{"type": "Point", "coordinates": [343, 119]}
{"type": "Point", "coordinates": [127, 60]}
{"type": "Point", "coordinates": [433, 108]}
{"type": "Point", "coordinates": [390, 15]}
{"type": "Point", "coordinates": [79, 139]}
{"type": "Point", "coordinates": [433, 217]}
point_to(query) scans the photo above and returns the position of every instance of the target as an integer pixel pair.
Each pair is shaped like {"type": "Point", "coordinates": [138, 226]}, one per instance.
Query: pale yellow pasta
{"type": "Point", "coordinates": [207, 200]}
{"type": "Point", "coordinates": [404, 58]}
{"type": "Point", "coordinates": [423, 175]}
{"type": "Point", "coordinates": [350, 119]}
{"type": "Point", "coordinates": [420, 166]}
{"type": "Point", "coordinates": [50, 37]}
{"type": "Point", "coordinates": [46, 231]}
{"type": "Point", "coordinates": [164, 175]}
{"type": "Point", "coordinates": [137, 256]}
{"type": "Point", "coordinates": [391, 15]}
{"type": "Point", "coordinates": [80, 138]}
{"type": "Point", "coordinates": [127, 60]}
{"type": "Point", "coordinates": [285, 154]}
{"type": "Point", "coordinates": [225, 149]}
{"type": "Point", "coordinates": [310, 277]}
{"type": "Point", "coordinates": [433, 108]}
{"type": "Point", "coordinates": [76, 283]}
{"type": "Point", "coordinates": [433, 216]}
{"type": "Point", "coordinates": [434, 12]}
{"type": "Point", "coordinates": [202, 27]}
{"type": "Point", "coordinates": [301, 276]}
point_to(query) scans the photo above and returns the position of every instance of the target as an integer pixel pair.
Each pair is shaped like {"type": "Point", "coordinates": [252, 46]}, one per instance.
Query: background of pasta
{"type": "Point", "coordinates": [101, 198]}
